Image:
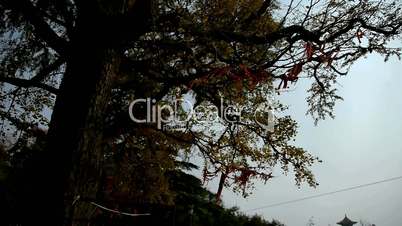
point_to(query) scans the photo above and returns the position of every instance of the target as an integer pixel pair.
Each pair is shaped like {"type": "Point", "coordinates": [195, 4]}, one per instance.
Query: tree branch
{"type": "Point", "coordinates": [363, 24]}
{"type": "Point", "coordinates": [42, 29]}
{"type": "Point", "coordinates": [259, 13]}
{"type": "Point", "coordinates": [294, 32]}
{"type": "Point", "coordinates": [21, 125]}
{"type": "Point", "coordinates": [28, 83]}
{"type": "Point", "coordinates": [41, 75]}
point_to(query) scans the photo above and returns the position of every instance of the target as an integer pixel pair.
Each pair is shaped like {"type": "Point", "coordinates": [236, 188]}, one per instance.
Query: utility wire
{"type": "Point", "coordinates": [120, 212]}
{"type": "Point", "coordinates": [325, 194]}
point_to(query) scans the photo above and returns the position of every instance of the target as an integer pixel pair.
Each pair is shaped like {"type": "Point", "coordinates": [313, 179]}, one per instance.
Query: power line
{"type": "Point", "coordinates": [120, 212]}
{"type": "Point", "coordinates": [325, 194]}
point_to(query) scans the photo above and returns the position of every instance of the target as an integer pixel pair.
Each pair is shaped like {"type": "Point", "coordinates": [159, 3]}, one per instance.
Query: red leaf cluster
{"type": "Point", "coordinates": [292, 75]}
{"type": "Point", "coordinates": [245, 175]}
{"type": "Point", "coordinates": [238, 74]}
{"type": "Point", "coordinates": [309, 49]}
{"type": "Point", "coordinates": [359, 35]}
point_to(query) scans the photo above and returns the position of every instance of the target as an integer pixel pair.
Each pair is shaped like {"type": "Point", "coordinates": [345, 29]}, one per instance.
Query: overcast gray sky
{"type": "Point", "coordinates": [362, 144]}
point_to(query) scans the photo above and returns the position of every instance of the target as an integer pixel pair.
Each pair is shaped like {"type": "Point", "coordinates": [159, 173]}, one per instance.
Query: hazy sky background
{"type": "Point", "coordinates": [362, 144]}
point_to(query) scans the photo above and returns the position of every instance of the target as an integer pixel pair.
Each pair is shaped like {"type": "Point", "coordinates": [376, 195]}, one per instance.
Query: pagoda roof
{"type": "Point", "coordinates": [346, 222]}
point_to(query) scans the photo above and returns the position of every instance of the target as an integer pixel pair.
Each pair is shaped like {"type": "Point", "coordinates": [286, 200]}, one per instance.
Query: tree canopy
{"type": "Point", "coordinates": [71, 69]}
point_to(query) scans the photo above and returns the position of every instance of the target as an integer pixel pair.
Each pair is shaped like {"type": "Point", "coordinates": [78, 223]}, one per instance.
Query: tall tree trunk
{"type": "Point", "coordinates": [75, 135]}
{"type": "Point", "coordinates": [72, 165]}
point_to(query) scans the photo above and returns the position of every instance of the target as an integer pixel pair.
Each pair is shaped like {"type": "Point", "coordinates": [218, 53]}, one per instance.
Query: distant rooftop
{"type": "Point", "coordinates": [346, 222]}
